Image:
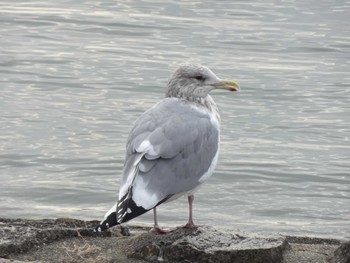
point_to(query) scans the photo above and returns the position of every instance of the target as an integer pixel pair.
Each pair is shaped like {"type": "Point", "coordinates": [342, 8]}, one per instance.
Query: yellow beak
{"type": "Point", "coordinates": [227, 85]}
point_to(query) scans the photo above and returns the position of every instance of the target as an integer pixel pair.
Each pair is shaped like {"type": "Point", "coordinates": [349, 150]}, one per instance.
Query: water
{"type": "Point", "coordinates": [76, 74]}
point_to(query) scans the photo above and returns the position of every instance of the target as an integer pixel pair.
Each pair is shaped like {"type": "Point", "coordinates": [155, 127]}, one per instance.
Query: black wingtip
{"type": "Point", "coordinates": [133, 211]}
{"type": "Point", "coordinates": [126, 211]}
{"type": "Point", "coordinates": [110, 221]}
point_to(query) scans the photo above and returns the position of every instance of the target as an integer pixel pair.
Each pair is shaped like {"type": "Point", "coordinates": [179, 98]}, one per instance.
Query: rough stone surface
{"type": "Point", "coordinates": [3, 260]}
{"type": "Point", "coordinates": [342, 254]}
{"type": "Point", "coordinates": [207, 245]}
{"type": "Point", "coordinates": [18, 236]}
{"type": "Point", "coordinates": [70, 240]}
{"type": "Point", "coordinates": [311, 250]}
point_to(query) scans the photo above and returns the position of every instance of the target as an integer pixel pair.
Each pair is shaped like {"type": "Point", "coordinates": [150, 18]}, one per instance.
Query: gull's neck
{"type": "Point", "coordinates": [206, 102]}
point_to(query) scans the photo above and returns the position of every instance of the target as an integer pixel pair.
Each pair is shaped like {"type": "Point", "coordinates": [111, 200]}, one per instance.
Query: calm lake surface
{"type": "Point", "coordinates": [76, 74]}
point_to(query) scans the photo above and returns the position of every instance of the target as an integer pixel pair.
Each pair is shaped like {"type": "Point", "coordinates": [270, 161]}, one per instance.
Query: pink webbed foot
{"type": "Point", "coordinates": [158, 230]}
{"type": "Point", "coordinates": [191, 225]}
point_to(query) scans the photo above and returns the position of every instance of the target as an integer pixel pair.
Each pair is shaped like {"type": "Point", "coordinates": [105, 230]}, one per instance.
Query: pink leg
{"type": "Point", "coordinates": [156, 228]}
{"type": "Point", "coordinates": [190, 223]}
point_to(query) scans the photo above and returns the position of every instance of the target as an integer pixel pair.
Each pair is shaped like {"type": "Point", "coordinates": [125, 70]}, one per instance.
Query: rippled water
{"type": "Point", "coordinates": [76, 74]}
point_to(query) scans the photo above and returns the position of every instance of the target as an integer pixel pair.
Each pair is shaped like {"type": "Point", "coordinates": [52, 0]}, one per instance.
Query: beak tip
{"type": "Point", "coordinates": [229, 85]}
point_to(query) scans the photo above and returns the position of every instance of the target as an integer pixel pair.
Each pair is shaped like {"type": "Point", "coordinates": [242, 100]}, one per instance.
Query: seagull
{"type": "Point", "coordinates": [172, 149]}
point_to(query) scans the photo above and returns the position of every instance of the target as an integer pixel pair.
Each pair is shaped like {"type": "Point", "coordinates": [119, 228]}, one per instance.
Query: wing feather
{"type": "Point", "coordinates": [169, 149]}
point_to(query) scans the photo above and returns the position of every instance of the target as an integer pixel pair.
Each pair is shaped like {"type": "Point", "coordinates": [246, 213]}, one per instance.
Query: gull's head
{"type": "Point", "coordinates": [194, 80]}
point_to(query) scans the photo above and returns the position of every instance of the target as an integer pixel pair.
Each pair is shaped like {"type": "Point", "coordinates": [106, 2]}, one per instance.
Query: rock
{"type": "Point", "coordinates": [70, 240]}
{"type": "Point", "coordinates": [2, 260]}
{"type": "Point", "coordinates": [342, 254]}
{"type": "Point", "coordinates": [310, 250]}
{"type": "Point", "coordinates": [19, 236]}
{"type": "Point", "coordinates": [207, 245]}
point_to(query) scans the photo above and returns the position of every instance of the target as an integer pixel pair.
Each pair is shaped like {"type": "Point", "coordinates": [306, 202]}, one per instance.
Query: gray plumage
{"type": "Point", "coordinates": [183, 143]}
{"type": "Point", "coordinates": [173, 147]}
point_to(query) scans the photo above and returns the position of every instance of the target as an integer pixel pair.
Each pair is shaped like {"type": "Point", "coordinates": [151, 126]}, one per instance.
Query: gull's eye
{"type": "Point", "coordinates": [199, 77]}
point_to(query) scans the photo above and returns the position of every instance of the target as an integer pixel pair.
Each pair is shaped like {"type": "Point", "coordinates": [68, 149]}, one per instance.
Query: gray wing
{"type": "Point", "coordinates": [169, 149]}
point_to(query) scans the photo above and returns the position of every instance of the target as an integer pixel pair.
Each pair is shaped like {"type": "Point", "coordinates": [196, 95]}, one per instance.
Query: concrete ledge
{"type": "Point", "coordinates": [71, 240]}
{"type": "Point", "coordinates": [207, 245]}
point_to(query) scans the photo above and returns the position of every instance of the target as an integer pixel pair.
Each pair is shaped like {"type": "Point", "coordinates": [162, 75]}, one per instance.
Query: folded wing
{"type": "Point", "coordinates": [171, 149]}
